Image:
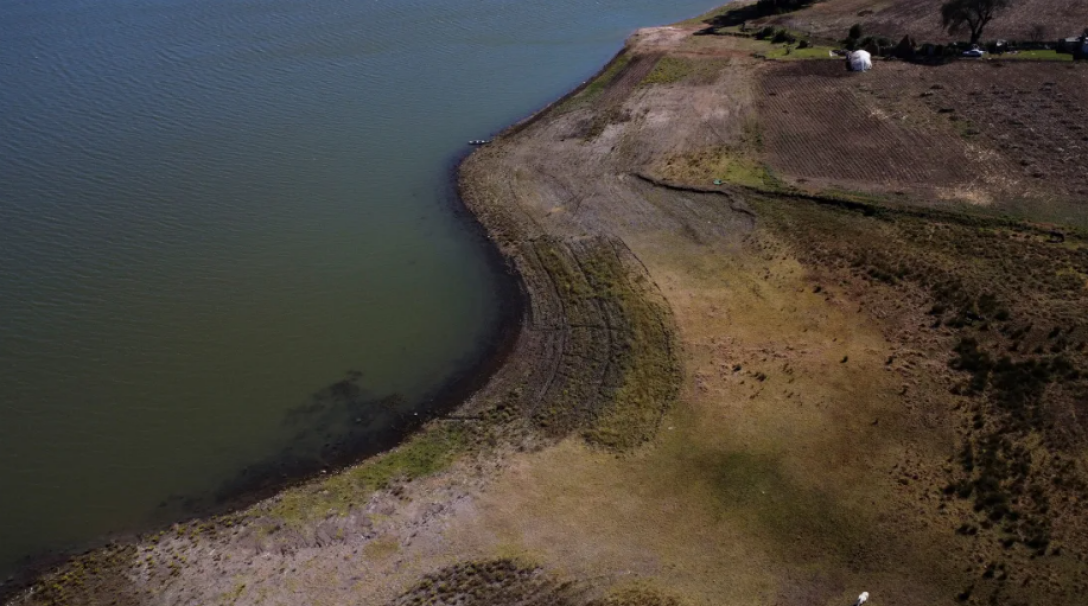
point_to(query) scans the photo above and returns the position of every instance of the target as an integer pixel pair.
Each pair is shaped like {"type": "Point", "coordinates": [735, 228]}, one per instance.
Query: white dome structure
{"type": "Point", "coordinates": [859, 61]}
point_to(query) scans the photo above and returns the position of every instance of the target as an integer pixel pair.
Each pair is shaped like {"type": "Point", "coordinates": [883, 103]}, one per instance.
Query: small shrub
{"type": "Point", "coordinates": [765, 33]}
{"type": "Point", "coordinates": [783, 35]}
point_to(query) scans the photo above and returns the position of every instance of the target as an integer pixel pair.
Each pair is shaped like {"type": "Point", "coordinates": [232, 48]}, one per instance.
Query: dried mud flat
{"type": "Point", "coordinates": [730, 386]}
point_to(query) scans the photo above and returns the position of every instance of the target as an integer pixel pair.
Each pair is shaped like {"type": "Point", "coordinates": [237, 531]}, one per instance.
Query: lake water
{"type": "Point", "coordinates": [228, 237]}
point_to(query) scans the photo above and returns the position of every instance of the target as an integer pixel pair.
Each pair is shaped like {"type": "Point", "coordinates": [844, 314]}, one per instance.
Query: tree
{"type": "Point", "coordinates": [1037, 33]}
{"type": "Point", "coordinates": [851, 41]}
{"type": "Point", "coordinates": [972, 15]}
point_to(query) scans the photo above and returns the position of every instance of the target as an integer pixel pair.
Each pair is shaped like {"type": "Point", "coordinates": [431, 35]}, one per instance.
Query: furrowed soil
{"type": "Point", "coordinates": [922, 19]}
{"type": "Point", "coordinates": [790, 334]}
{"type": "Point", "coordinates": [1004, 134]}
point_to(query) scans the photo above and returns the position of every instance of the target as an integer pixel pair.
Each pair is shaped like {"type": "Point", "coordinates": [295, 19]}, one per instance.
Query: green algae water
{"type": "Point", "coordinates": [228, 241]}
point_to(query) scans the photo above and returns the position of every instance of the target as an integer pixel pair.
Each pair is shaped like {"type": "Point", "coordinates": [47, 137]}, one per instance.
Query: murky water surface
{"type": "Point", "coordinates": [226, 230]}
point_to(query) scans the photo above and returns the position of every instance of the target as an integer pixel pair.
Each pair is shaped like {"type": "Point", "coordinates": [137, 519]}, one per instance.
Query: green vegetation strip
{"type": "Point", "coordinates": [426, 453]}
{"type": "Point", "coordinates": [1035, 55]}
{"type": "Point", "coordinates": [786, 52]}
{"type": "Point", "coordinates": [619, 372]}
{"type": "Point", "coordinates": [669, 69]}
{"type": "Point", "coordinates": [597, 85]}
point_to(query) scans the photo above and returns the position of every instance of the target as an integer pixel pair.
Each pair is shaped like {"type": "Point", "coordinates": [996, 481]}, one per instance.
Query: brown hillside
{"type": "Point", "coordinates": [921, 19]}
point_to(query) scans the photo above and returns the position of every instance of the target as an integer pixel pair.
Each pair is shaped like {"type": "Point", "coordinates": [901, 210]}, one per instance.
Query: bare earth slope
{"type": "Point", "coordinates": [752, 369]}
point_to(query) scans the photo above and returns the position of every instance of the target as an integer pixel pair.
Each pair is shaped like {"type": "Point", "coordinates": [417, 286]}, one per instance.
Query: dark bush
{"type": "Point", "coordinates": [762, 8]}
{"type": "Point", "coordinates": [775, 7]}
{"type": "Point", "coordinates": [971, 359]}
{"type": "Point", "coordinates": [783, 35]}
{"type": "Point", "coordinates": [906, 48]}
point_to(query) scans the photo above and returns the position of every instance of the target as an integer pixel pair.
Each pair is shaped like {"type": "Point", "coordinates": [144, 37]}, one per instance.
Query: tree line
{"type": "Point", "coordinates": [959, 16]}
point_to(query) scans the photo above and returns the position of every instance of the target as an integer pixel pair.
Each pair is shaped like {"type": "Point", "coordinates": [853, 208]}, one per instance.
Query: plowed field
{"type": "Point", "coordinates": [921, 19]}
{"type": "Point", "coordinates": [1032, 114]}
{"type": "Point", "coordinates": [823, 123]}
{"type": "Point", "coordinates": [1009, 134]}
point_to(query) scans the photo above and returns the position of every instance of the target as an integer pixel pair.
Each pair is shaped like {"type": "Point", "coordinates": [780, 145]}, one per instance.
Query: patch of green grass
{"type": "Point", "coordinates": [723, 164]}
{"type": "Point", "coordinates": [787, 52]}
{"type": "Point", "coordinates": [104, 571]}
{"type": "Point", "coordinates": [749, 172]}
{"type": "Point", "coordinates": [849, 195]}
{"type": "Point", "coordinates": [427, 453]}
{"type": "Point", "coordinates": [598, 84]}
{"type": "Point", "coordinates": [732, 30]}
{"type": "Point", "coordinates": [1037, 55]}
{"type": "Point", "coordinates": [650, 371]}
{"type": "Point", "coordinates": [616, 321]}
{"type": "Point", "coordinates": [668, 70]}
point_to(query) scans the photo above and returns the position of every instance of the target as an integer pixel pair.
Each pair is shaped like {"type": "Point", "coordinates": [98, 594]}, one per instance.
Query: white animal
{"type": "Point", "coordinates": [864, 597]}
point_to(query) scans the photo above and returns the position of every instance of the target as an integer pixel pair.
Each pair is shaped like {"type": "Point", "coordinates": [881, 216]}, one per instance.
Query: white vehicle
{"type": "Point", "coordinates": [974, 53]}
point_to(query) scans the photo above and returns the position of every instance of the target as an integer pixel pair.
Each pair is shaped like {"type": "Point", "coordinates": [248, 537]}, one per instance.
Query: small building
{"type": "Point", "coordinates": [859, 61]}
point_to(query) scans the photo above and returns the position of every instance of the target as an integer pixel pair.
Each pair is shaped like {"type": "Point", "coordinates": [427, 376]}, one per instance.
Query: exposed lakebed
{"type": "Point", "coordinates": [228, 236]}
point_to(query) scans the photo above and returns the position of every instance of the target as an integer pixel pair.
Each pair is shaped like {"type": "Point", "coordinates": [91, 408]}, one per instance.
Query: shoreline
{"type": "Point", "coordinates": [492, 353]}
{"type": "Point", "coordinates": [678, 416]}
{"type": "Point", "coordinates": [504, 352]}
{"type": "Point", "coordinates": [456, 394]}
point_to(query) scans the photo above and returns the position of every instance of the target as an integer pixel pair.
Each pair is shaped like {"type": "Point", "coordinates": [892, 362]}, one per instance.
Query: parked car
{"type": "Point", "coordinates": [974, 52]}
